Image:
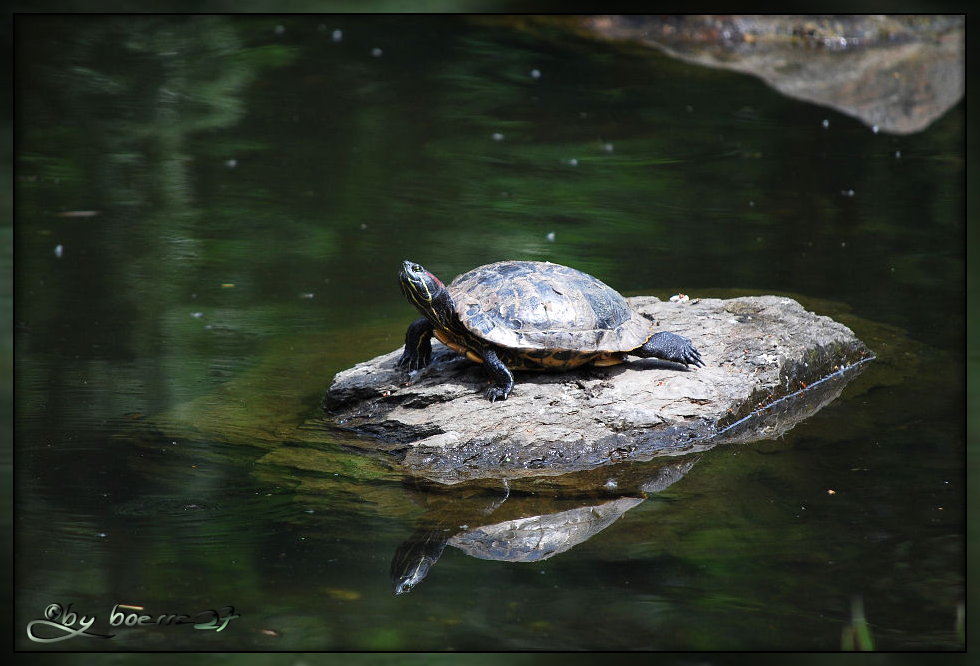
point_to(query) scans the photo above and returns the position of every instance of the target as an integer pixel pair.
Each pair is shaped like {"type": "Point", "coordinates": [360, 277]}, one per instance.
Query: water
{"type": "Point", "coordinates": [210, 216]}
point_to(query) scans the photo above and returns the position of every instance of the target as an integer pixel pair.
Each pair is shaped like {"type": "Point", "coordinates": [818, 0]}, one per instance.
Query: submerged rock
{"type": "Point", "coordinates": [769, 364]}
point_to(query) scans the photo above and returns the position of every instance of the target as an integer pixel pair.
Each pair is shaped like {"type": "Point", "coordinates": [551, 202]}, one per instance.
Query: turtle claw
{"type": "Point", "coordinates": [692, 356]}
{"type": "Point", "coordinates": [413, 361]}
{"type": "Point", "coordinates": [495, 393]}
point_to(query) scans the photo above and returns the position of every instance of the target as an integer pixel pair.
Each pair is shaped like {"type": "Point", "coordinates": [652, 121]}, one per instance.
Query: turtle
{"type": "Point", "coordinates": [529, 315]}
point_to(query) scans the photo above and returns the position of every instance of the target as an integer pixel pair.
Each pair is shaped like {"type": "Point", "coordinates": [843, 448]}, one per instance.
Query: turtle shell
{"type": "Point", "coordinates": [535, 305]}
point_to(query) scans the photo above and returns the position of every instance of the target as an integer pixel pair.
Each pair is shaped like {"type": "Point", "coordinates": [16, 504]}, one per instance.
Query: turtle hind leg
{"type": "Point", "coordinates": [669, 347]}
{"type": "Point", "coordinates": [503, 380]}
{"type": "Point", "coordinates": [418, 345]}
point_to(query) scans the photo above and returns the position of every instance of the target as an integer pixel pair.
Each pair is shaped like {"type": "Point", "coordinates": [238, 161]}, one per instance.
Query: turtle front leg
{"type": "Point", "coordinates": [418, 345]}
{"type": "Point", "coordinates": [503, 380]}
{"type": "Point", "coordinates": [669, 347]}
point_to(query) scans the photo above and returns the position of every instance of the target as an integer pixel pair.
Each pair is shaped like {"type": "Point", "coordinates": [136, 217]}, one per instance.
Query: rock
{"type": "Point", "coordinates": [895, 73]}
{"type": "Point", "coordinates": [769, 364]}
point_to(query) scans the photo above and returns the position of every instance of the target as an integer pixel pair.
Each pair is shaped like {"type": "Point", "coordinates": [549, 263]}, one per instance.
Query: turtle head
{"type": "Point", "coordinates": [414, 558]}
{"type": "Point", "coordinates": [424, 290]}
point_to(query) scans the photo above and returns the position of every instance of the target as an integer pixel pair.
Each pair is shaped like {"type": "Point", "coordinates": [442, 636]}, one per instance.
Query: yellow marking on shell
{"type": "Point", "coordinates": [548, 362]}
{"type": "Point", "coordinates": [608, 358]}
{"type": "Point", "coordinates": [444, 338]}
{"type": "Point", "coordinates": [552, 362]}
{"type": "Point", "coordinates": [521, 361]}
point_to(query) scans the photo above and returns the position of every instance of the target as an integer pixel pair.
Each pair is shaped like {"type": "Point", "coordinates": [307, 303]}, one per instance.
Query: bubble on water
{"type": "Point", "coordinates": [231, 164]}
{"type": "Point", "coordinates": [550, 236]}
{"type": "Point", "coordinates": [535, 73]}
{"type": "Point", "coordinates": [280, 29]}
{"type": "Point", "coordinates": [573, 162]}
{"type": "Point", "coordinates": [197, 315]}
{"type": "Point", "coordinates": [376, 52]}
{"type": "Point", "coordinates": [608, 147]}
{"type": "Point", "coordinates": [59, 250]}
{"type": "Point", "coordinates": [825, 123]}
{"type": "Point", "coordinates": [898, 154]}
{"type": "Point", "coordinates": [874, 128]}
{"type": "Point", "coordinates": [497, 136]}
{"type": "Point", "coordinates": [337, 35]}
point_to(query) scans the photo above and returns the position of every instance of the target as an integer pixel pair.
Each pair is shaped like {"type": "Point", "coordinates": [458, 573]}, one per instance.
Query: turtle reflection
{"type": "Point", "coordinates": [531, 535]}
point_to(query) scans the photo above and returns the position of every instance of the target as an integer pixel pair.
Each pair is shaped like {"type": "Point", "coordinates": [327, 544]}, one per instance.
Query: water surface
{"type": "Point", "coordinates": [213, 207]}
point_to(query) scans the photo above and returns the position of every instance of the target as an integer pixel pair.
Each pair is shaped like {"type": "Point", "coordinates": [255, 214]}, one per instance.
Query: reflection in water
{"type": "Point", "coordinates": [119, 101]}
{"type": "Point", "coordinates": [773, 418]}
{"type": "Point", "coordinates": [534, 537]}
{"type": "Point", "coordinates": [138, 89]}
{"type": "Point", "coordinates": [531, 537]}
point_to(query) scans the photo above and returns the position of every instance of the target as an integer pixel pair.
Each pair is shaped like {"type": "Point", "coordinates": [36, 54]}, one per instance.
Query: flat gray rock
{"type": "Point", "coordinates": [768, 364]}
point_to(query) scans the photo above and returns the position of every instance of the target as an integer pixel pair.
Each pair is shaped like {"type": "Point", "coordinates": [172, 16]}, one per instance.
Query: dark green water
{"type": "Point", "coordinates": [197, 195]}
